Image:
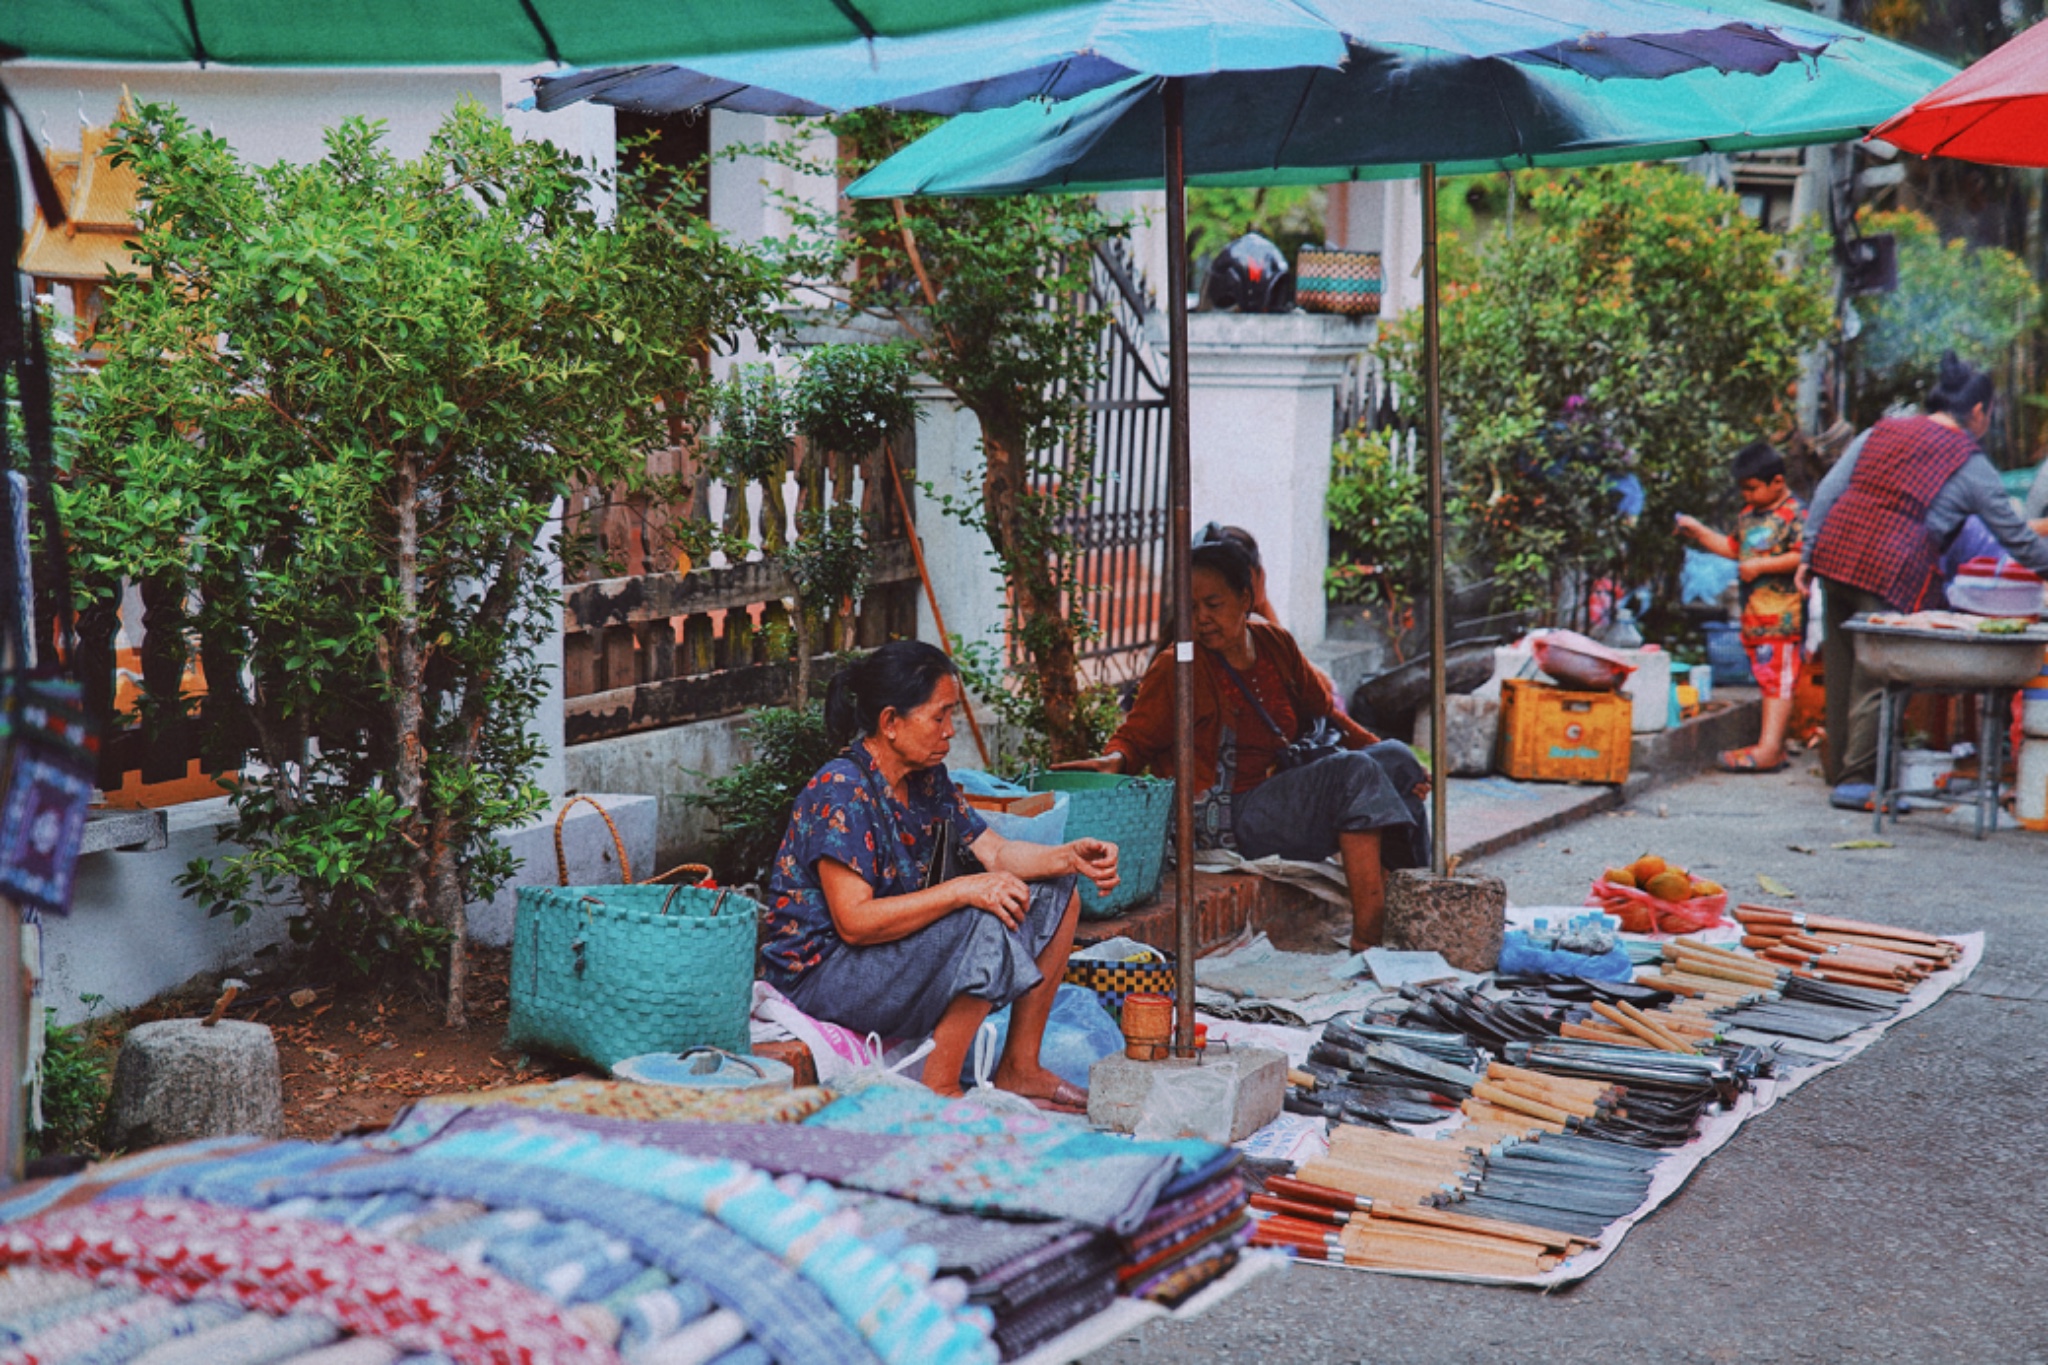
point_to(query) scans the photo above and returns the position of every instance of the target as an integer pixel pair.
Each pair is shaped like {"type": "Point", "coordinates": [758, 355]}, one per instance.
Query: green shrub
{"type": "Point", "coordinates": [75, 1089]}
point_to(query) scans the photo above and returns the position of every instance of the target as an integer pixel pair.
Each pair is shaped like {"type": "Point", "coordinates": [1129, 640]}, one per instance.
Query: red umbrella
{"type": "Point", "coordinates": [1995, 112]}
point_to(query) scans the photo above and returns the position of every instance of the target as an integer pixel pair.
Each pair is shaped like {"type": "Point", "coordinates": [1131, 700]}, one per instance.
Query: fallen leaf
{"type": "Point", "coordinates": [1866, 843]}
{"type": "Point", "coordinates": [1774, 886]}
{"type": "Point", "coordinates": [1800, 848]}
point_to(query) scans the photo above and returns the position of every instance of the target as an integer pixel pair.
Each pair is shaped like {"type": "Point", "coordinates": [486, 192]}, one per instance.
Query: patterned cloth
{"type": "Point", "coordinates": [250, 1339]}
{"type": "Point", "coordinates": [182, 1250]}
{"type": "Point", "coordinates": [847, 813]}
{"type": "Point", "coordinates": [1772, 608]}
{"type": "Point", "coordinates": [1875, 537]}
{"type": "Point", "coordinates": [969, 1156]}
{"type": "Point", "coordinates": [607, 1099]}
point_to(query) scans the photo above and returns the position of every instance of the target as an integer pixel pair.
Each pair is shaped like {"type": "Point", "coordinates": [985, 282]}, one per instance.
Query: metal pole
{"type": "Point", "coordinates": [1432, 345]}
{"type": "Point", "coordinates": [1178, 535]}
{"type": "Point", "coordinates": [14, 1006]}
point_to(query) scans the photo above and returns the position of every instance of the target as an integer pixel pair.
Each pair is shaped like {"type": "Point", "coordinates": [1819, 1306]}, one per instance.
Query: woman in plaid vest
{"type": "Point", "coordinates": [1874, 538]}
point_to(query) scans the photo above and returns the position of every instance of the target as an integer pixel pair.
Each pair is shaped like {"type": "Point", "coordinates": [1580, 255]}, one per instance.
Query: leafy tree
{"type": "Point", "coordinates": [987, 293]}
{"type": "Point", "coordinates": [335, 423]}
{"type": "Point", "coordinates": [1636, 325]}
{"type": "Point", "coordinates": [1976, 301]}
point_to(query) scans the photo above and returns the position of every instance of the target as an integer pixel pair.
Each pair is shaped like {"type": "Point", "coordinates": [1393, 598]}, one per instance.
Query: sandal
{"type": "Point", "coordinates": [1744, 761]}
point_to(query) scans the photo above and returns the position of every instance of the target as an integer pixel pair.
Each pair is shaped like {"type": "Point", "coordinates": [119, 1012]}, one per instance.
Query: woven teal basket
{"type": "Point", "coordinates": [1131, 812]}
{"type": "Point", "coordinates": [610, 972]}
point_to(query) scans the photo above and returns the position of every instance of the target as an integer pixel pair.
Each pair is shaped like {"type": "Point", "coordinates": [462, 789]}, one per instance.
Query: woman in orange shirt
{"type": "Point", "coordinates": [1255, 694]}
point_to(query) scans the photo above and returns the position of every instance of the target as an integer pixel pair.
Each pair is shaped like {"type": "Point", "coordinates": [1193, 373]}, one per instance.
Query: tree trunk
{"type": "Point", "coordinates": [405, 669]}
{"type": "Point", "coordinates": [1034, 580]}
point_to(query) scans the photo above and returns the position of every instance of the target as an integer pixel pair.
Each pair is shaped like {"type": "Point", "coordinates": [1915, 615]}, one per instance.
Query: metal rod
{"type": "Point", "coordinates": [1178, 535]}
{"type": "Point", "coordinates": [14, 1007]}
{"type": "Point", "coordinates": [1432, 344]}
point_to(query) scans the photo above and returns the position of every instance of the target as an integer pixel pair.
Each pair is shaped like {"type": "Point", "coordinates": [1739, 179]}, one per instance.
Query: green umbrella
{"type": "Point", "coordinates": [1391, 112]}
{"type": "Point", "coordinates": [446, 32]}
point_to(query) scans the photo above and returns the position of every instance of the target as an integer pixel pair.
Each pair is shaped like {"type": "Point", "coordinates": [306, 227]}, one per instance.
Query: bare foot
{"type": "Point", "coordinates": [1039, 1084]}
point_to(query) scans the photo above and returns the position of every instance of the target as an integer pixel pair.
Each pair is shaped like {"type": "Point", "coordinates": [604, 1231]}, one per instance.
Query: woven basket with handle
{"type": "Point", "coordinates": [605, 973]}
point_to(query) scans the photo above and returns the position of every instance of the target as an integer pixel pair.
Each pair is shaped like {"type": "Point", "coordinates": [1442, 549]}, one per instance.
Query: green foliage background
{"type": "Point", "coordinates": [1644, 293]}
{"type": "Point", "coordinates": [1976, 301]}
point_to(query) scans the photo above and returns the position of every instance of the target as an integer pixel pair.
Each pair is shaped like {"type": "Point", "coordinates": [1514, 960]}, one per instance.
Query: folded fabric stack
{"type": "Point", "coordinates": [1037, 1278]}
{"type": "Point", "coordinates": [1191, 1237]}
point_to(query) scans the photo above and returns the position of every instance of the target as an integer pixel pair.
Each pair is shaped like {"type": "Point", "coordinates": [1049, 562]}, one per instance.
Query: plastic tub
{"type": "Point", "coordinates": [1995, 587]}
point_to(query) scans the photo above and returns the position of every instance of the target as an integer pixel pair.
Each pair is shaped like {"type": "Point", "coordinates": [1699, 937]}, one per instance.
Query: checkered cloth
{"type": "Point", "coordinates": [1875, 537]}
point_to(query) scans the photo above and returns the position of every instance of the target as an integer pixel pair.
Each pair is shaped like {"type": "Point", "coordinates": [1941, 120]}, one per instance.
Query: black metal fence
{"type": "Point", "coordinates": [1119, 535]}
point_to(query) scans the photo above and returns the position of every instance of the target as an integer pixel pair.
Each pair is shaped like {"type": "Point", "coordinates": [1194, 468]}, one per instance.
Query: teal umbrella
{"type": "Point", "coordinates": [1056, 56]}
{"type": "Point", "coordinates": [1389, 112]}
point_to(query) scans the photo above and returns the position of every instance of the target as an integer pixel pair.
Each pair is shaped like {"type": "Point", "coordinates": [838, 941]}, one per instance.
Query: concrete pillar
{"type": "Point", "coordinates": [965, 574]}
{"type": "Point", "coordinates": [1262, 394]}
{"type": "Point", "coordinates": [1383, 216]}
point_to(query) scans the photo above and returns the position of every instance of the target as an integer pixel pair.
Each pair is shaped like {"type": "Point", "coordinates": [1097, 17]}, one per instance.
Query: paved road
{"type": "Point", "coordinates": [1895, 1209]}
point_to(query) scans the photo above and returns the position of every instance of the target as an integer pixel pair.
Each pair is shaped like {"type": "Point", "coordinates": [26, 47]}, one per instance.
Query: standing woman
{"type": "Point", "coordinates": [865, 927]}
{"type": "Point", "coordinates": [1875, 534]}
{"type": "Point", "coordinates": [1255, 694]}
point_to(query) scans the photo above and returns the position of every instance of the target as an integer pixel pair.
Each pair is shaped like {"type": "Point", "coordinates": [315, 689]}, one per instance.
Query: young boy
{"type": "Point", "coordinates": [1765, 546]}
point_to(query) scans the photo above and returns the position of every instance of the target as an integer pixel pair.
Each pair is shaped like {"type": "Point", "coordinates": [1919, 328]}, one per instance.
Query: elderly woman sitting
{"type": "Point", "coordinates": [865, 930]}
{"type": "Point", "coordinates": [1255, 694]}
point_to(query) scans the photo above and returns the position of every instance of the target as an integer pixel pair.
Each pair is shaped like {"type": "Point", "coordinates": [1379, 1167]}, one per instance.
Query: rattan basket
{"type": "Point", "coordinates": [1131, 812]}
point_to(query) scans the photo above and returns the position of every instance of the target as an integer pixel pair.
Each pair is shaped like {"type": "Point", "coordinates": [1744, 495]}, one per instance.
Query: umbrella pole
{"type": "Point", "coordinates": [1432, 344]}
{"type": "Point", "coordinates": [1179, 533]}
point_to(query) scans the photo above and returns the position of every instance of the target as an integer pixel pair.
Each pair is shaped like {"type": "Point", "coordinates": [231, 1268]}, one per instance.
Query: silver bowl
{"type": "Point", "coordinates": [1948, 658]}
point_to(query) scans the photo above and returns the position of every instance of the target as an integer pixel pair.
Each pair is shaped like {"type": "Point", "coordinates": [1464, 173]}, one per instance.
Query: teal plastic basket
{"type": "Point", "coordinates": [1133, 813]}
{"type": "Point", "coordinates": [604, 973]}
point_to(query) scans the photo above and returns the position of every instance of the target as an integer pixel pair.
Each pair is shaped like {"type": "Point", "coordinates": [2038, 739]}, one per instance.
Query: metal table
{"type": "Point", "coordinates": [1992, 668]}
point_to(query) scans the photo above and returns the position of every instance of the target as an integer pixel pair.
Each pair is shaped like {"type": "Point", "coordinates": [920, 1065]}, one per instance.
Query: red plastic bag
{"type": "Point", "coordinates": [1642, 913]}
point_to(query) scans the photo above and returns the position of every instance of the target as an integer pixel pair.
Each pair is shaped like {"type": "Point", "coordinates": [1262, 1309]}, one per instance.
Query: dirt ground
{"type": "Point", "coordinates": [355, 1053]}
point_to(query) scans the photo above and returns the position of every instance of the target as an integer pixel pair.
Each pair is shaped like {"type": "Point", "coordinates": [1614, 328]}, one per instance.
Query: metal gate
{"type": "Point", "coordinates": [1119, 535]}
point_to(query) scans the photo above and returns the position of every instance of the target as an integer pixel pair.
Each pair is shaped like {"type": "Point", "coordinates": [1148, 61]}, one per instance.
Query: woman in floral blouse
{"type": "Point", "coordinates": [857, 936]}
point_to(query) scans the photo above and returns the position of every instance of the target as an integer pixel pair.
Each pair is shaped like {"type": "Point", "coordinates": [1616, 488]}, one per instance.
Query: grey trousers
{"type": "Point", "coordinates": [900, 989]}
{"type": "Point", "coordinates": [1298, 814]}
{"type": "Point", "coordinates": [1852, 694]}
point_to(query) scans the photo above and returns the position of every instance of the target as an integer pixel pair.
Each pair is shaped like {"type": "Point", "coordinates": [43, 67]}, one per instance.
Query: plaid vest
{"type": "Point", "coordinates": [1875, 536]}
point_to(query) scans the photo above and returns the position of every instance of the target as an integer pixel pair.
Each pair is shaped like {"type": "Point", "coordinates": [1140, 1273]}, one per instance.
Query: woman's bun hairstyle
{"type": "Point", "coordinates": [900, 676]}
{"type": "Point", "coordinates": [1226, 558]}
{"type": "Point", "coordinates": [1959, 387]}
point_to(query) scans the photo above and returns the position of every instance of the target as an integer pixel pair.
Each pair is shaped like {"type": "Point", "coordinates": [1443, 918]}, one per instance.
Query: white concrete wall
{"type": "Point", "coordinates": [271, 116]}
{"type": "Point", "coordinates": [1261, 409]}
{"type": "Point", "coordinates": [666, 766]}
{"type": "Point", "coordinates": [131, 936]}
{"type": "Point", "coordinates": [1383, 216]}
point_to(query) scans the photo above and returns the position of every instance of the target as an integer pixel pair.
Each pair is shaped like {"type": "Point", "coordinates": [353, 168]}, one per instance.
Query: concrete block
{"type": "Point", "coordinates": [178, 1080]}
{"type": "Point", "coordinates": [1223, 1097]}
{"type": "Point", "coordinates": [1472, 729]}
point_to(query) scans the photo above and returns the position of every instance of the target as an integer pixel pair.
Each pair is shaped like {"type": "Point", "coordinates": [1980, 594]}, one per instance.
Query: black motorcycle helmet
{"type": "Point", "coordinates": [1251, 276]}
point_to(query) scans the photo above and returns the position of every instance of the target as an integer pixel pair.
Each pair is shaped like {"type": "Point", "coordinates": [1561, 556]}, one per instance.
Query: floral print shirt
{"type": "Point", "coordinates": [841, 814]}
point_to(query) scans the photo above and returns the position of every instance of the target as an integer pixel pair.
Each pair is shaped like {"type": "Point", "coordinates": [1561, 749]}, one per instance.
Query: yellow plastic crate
{"type": "Point", "coordinates": [1550, 735]}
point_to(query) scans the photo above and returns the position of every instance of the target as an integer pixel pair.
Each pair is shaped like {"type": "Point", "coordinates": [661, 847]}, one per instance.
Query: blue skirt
{"type": "Point", "coordinates": [900, 989]}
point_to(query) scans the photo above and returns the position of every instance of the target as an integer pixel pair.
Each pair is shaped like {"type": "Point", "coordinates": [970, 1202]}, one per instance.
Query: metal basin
{"type": "Point", "coordinates": [1946, 658]}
